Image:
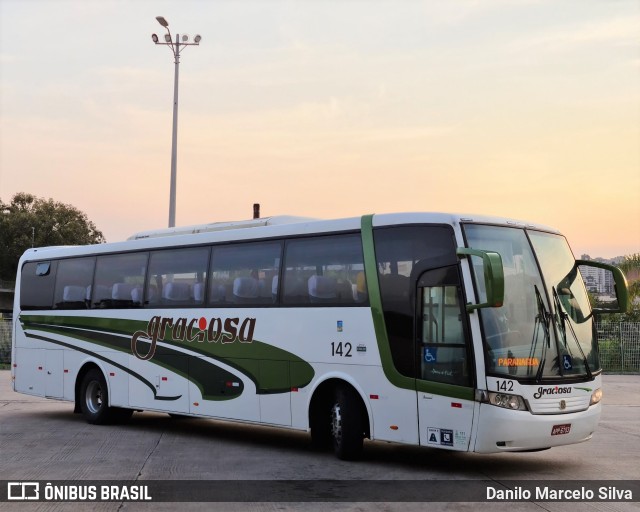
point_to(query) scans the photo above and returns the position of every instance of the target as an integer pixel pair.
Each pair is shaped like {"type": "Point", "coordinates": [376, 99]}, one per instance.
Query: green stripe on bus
{"type": "Point", "coordinates": [208, 377]}
{"type": "Point", "coordinates": [277, 372]}
{"type": "Point", "coordinates": [106, 360]}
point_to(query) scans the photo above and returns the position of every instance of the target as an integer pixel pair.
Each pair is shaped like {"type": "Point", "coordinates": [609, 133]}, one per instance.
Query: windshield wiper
{"type": "Point", "coordinates": [562, 320]}
{"type": "Point", "coordinates": [542, 319]}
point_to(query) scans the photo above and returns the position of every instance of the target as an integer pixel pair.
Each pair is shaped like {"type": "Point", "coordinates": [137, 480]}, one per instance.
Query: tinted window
{"type": "Point", "coordinates": [244, 274]}
{"type": "Point", "coordinates": [37, 281]}
{"type": "Point", "coordinates": [119, 281]}
{"type": "Point", "coordinates": [73, 283]}
{"type": "Point", "coordinates": [402, 254]}
{"type": "Point", "coordinates": [176, 278]}
{"type": "Point", "coordinates": [325, 270]}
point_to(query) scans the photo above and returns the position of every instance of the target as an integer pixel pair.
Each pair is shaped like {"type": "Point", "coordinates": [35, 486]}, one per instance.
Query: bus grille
{"type": "Point", "coordinates": [554, 405]}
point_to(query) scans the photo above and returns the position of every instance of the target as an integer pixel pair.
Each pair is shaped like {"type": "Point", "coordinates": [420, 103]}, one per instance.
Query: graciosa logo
{"type": "Point", "coordinates": [558, 390]}
{"type": "Point", "coordinates": [215, 330]}
{"type": "Point", "coordinates": [552, 391]}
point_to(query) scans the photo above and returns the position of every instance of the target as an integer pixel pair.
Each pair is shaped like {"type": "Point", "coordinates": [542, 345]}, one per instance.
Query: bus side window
{"type": "Point", "coordinates": [243, 274]}
{"type": "Point", "coordinates": [176, 277]}
{"type": "Point", "coordinates": [116, 279]}
{"type": "Point", "coordinates": [73, 279]}
{"type": "Point", "coordinates": [325, 270]}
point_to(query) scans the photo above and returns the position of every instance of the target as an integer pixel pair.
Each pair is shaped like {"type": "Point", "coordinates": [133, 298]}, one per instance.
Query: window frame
{"type": "Point", "coordinates": [147, 279]}
{"type": "Point", "coordinates": [57, 284]}
{"type": "Point", "coordinates": [466, 344]}
{"type": "Point", "coordinates": [278, 301]}
{"type": "Point", "coordinates": [283, 274]}
{"type": "Point", "coordinates": [210, 271]}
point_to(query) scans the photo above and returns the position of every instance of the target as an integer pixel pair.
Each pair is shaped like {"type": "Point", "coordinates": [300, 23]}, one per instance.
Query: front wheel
{"type": "Point", "coordinates": [347, 424]}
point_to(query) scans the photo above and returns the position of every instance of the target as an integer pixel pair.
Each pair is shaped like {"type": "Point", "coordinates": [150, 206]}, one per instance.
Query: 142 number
{"type": "Point", "coordinates": [341, 349]}
{"type": "Point", "coordinates": [505, 385]}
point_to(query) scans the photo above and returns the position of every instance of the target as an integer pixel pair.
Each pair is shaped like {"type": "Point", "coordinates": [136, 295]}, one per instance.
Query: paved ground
{"type": "Point", "coordinates": [42, 440]}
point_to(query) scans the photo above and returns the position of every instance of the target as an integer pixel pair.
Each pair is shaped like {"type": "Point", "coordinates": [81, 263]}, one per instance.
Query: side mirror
{"type": "Point", "coordinates": [619, 284]}
{"type": "Point", "coordinates": [493, 277]}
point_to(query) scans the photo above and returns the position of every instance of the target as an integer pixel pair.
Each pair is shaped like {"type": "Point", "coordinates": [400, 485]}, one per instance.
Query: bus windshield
{"type": "Point", "coordinates": [544, 330]}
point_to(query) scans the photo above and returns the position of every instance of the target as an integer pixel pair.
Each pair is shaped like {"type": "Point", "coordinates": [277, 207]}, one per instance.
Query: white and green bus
{"type": "Point", "coordinates": [453, 332]}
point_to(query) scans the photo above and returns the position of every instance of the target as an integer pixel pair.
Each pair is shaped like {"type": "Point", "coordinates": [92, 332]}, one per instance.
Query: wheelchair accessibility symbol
{"type": "Point", "coordinates": [430, 355]}
{"type": "Point", "coordinates": [566, 362]}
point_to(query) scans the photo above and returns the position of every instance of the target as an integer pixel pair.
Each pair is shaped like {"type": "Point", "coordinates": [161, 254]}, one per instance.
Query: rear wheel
{"type": "Point", "coordinates": [347, 424]}
{"type": "Point", "coordinates": [94, 400]}
{"type": "Point", "coordinates": [320, 424]}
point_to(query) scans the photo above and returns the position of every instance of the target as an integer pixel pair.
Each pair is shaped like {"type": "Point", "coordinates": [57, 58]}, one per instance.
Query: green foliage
{"type": "Point", "coordinates": [5, 343]}
{"type": "Point", "coordinates": [32, 221]}
{"type": "Point", "coordinates": [631, 268]}
{"type": "Point", "coordinates": [610, 358]}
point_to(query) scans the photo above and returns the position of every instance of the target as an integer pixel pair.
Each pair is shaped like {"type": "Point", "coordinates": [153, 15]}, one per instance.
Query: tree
{"type": "Point", "coordinates": [29, 221]}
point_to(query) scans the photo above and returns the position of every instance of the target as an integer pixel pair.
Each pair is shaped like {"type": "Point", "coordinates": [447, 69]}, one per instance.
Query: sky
{"type": "Point", "coordinates": [523, 109]}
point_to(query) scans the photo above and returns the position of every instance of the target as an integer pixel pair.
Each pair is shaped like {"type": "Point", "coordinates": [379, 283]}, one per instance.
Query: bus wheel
{"type": "Point", "coordinates": [94, 398]}
{"type": "Point", "coordinates": [319, 420]}
{"type": "Point", "coordinates": [347, 426]}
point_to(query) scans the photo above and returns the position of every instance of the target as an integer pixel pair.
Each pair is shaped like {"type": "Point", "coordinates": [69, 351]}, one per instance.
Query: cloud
{"type": "Point", "coordinates": [6, 58]}
{"type": "Point", "coordinates": [619, 31]}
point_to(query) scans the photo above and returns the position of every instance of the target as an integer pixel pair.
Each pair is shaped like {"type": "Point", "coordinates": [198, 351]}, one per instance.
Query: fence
{"type": "Point", "coordinates": [5, 341]}
{"type": "Point", "coordinates": [619, 346]}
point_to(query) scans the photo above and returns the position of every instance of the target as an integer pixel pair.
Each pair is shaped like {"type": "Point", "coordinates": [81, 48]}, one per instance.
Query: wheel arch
{"type": "Point", "coordinates": [324, 389]}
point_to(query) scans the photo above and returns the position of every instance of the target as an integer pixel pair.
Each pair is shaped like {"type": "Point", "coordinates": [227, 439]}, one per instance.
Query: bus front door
{"type": "Point", "coordinates": [444, 368]}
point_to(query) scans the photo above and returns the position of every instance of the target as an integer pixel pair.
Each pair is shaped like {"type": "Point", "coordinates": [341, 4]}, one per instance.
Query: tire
{"type": "Point", "coordinates": [94, 399]}
{"type": "Point", "coordinates": [320, 423]}
{"type": "Point", "coordinates": [347, 424]}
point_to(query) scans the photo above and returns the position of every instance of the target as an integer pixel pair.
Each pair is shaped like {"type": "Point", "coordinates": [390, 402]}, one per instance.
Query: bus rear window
{"type": "Point", "coordinates": [37, 283]}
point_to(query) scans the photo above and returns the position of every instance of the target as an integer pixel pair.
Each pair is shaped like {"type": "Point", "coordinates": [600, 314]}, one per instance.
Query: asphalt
{"type": "Point", "coordinates": [41, 440]}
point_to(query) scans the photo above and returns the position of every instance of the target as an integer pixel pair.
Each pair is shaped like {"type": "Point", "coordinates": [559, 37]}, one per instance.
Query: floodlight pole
{"type": "Point", "coordinates": [175, 48]}
{"type": "Point", "coordinates": [174, 139]}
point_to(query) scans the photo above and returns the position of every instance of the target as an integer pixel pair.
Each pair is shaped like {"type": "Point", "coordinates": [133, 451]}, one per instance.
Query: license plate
{"type": "Point", "coordinates": [558, 430]}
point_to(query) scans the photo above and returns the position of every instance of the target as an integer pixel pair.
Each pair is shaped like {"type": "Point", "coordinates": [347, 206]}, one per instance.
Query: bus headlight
{"type": "Point", "coordinates": [596, 396]}
{"type": "Point", "coordinates": [513, 402]}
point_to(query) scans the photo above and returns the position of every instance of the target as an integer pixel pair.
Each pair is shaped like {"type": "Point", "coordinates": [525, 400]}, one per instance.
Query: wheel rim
{"type": "Point", "coordinates": [93, 397]}
{"type": "Point", "coordinates": [336, 423]}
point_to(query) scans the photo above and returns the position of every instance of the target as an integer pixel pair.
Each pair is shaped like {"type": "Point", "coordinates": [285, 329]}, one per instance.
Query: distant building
{"type": "Point", "coordinates": [597, 280]}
